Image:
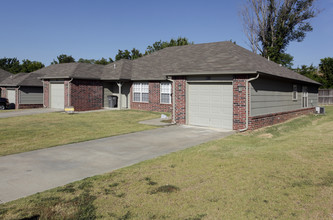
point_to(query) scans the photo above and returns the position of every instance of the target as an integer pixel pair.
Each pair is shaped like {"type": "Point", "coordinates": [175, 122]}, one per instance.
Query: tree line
{"type": "Point", "coordinates": [322, 74]}
{"type": "Point", "coordinates": [13, 65]}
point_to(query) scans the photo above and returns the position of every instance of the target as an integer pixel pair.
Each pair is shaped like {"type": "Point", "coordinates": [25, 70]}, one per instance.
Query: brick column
{"type": "Point", "coordinates": [46, 93]}
{"type": "Point", "coordinates": [239, 101]}
{"type": "Point", "coordinates": [3, 92]}
{"type": "Point", "coordinates": [17, 98]}
{"type": "Point", "coordinates": [180, 97]}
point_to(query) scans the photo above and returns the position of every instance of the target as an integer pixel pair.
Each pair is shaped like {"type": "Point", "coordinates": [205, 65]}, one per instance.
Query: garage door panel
{"type": "Point", "coordinates": [210, 105]}
{"type": "Point", "coordinates": [11, 95]}
{"type": "Point", "coordinates": [57, 95]}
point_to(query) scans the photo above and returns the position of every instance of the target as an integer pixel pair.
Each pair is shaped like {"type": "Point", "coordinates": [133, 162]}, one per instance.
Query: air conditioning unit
{"type": "Point", "coordinates": [320, 110]}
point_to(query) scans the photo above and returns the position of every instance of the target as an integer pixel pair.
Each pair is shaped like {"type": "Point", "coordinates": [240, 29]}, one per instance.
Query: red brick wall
{"type": "Point", "coordinates": [3, 92]}
{"type": "Point", "coordinates": [46, 93]}
{"type": "Point", "coordinates": [66, 87]}
{"type": "Point", "coordinates": [26, 106]}
{"type": "Point", "coordinates": [17, 98]}
{"type": "Point", "coordinates": [271, 119]}
{"type": "Point", "coordinates": [86, 94]}
{"type": "Point", "coordinates": [180, 95]}
{"type": "Point", "coordinates": [239, 102]}
{"type": "Point", "coordinates": [154, 100]}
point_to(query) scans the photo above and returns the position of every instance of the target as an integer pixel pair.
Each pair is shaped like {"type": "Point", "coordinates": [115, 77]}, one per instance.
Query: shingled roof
{"type": "Point", "coordinates": [22, 79]}
{"type": "Point", "coordinates": [72, 70]}
{"type": "Point", "coordinates": [121, 69]}
{"type": "Point", "coordinates": [4, 74]}
{"type": "Point", "coordinates": [207, 59]}
{"type": "Point", "coordinates": [197, 59]}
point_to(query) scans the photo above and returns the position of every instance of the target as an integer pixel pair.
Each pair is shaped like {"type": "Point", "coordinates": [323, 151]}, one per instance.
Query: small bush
{"type": "Point", "coordinates": [165, 189]}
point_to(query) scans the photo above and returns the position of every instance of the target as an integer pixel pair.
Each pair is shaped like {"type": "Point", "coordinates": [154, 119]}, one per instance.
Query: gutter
{"type": "Point", "coordinates": [69, 91]}
{"type": "Point", "coordinates": [247, 102]}
{"type": "Point", "coordinates": [173, 100]}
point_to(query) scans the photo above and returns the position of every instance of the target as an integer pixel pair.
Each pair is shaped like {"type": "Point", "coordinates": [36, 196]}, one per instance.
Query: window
{"type": "Point", "coordinates": [304, 96]}
{"type": "Point", "coordinates": [294, 92]}
{"type": "Point", "coordinates": [140, 92]}
{"type": "Point", "coordinates": [165, 92]}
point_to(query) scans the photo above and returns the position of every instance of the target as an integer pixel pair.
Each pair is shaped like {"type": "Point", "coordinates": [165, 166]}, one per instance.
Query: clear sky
{"type": "Point", "coordinates": [42, 29]}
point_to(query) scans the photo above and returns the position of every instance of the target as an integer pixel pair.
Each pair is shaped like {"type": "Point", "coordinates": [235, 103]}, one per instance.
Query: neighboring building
{"type": "Point", "coordinates": [218, 85]}
{"type": "Point", "coordinates": [3, 75]}
{"type": "Point", "coordinates": [23, 90]}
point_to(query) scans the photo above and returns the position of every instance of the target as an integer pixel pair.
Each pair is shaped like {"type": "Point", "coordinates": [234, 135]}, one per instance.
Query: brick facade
{"type": "Point", "coordinates": [271, 119]}
{"type": "Point", "coordinates": [46, 89]}
{"type": "Point", "coordinates": [17, 105]}
{"type": "Point", "coordinates": [154, 103]}
{"type": "Point", "coordinates": [3, 92]}
{"type": "Point", "coordinates": [27, 106]}
{"type": "Point", "coordinates": [180, 96]}
{"type": "Point", "coordinates": [85, 94]}
{"type": "Point", "coordinates": [239, 101]}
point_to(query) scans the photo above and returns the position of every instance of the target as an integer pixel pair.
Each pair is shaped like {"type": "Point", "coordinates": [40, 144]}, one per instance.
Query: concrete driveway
{"type": "Point", "coordinates": [15, 113]}
{"type": "Point", "coordinates": [31, 172]}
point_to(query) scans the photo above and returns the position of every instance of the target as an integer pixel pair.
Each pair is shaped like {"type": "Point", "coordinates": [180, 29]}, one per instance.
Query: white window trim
{"type": "Point", "coordinates": [169, 92]}
{"type": "Point", "coordinates": [141, 91]}
{"type": "Point", "coordinates": [294, 92]}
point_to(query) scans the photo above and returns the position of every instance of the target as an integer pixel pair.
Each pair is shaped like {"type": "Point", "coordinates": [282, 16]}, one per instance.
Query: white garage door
{"type": "Point", "coordinates": [210, 104]}
{"type": "Point", "coordinates": [57, 95]}
{"type": "Point", "coordinates": [11, 95]}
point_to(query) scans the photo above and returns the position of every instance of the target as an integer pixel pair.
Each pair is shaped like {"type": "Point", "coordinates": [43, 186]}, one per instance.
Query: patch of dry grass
{"type": "Point", "coordinates": [288, 175]}
{"type": "Point", "coordinates": [26, 133]}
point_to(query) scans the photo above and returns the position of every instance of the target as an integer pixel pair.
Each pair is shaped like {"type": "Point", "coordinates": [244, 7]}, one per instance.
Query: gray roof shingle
{"type": "Point", "coordinates": [72, 70]}
{"type": "Point", "coordinates": [22, 79]}
{"type": "Point", "coordinates": [117, 70]}
{"type": "Point", "coordinates": [4, 74]}
{"type": "Point", "coordinates": [197, 59]}
{"type": "Point", "coordinates": [209, 58]}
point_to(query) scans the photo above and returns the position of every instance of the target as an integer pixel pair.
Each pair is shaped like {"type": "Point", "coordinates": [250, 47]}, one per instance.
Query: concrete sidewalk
{"type": "Point", "coordinates": [34, 111]}
{"type": "Point", "coordinates": [31, 172]}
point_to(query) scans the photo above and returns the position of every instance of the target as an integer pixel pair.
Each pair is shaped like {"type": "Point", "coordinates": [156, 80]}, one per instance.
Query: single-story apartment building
{"type": "Point", "coordinates": [218, 85]}
{"type": "Point", "coordinates": [23, 90]}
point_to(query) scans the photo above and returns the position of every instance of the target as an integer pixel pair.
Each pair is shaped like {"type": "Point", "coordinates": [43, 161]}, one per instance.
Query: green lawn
{"type": "Point", "coordinates": [280, 172]}
{"type": "Point", "coordinates": [26, 133]}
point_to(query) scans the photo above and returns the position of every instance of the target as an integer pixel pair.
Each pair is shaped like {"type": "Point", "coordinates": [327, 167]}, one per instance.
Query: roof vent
{"type": "Point", "coordinates": [114, 66]}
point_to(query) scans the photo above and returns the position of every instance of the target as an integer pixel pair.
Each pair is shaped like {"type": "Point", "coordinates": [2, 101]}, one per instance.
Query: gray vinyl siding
{"type": "Point", "coordinates": [313, 96]}
{"type": "Point", "coordinates": [273, 96]}
{"type": "Point", "coordinates": [107, 89]}
{"type": "Point", "coordinates": [31, 95]}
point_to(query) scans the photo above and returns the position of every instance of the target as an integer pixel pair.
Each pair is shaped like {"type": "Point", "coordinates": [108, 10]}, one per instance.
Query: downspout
{"type": "Point", "coordinates": [247, 102]}
{"type": "Point", "coordinates": [68, 92]}
{"type": "Point", "coordinates": [173, 100]}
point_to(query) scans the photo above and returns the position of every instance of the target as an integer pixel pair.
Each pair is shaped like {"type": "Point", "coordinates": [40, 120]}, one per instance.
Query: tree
{"type": "Point", "coordinates": [90, 61]}
{"type": "Point", "coordinates": [103, 61]}
{"type": "Point", "coordinates": [312, 73]}
{"type": "Point", "coordinates": [28, 66]}
{"type": "Point", "coordinates": [123, 55]}
{"type": "Point", "coordinates": [158, 45]}
{"type": "Point", "coordinates": [326, 68]}
{"type": "Point", "coordinates": [270, 25]}
{"type": "Point", "coordinates": [63, 58]}
{"type": "Point", "coordinates": [10, 64]}
{"type": "Point", "coordinates": [129, 55]}
{"type": "Point", "coordinates": [135, 54]}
